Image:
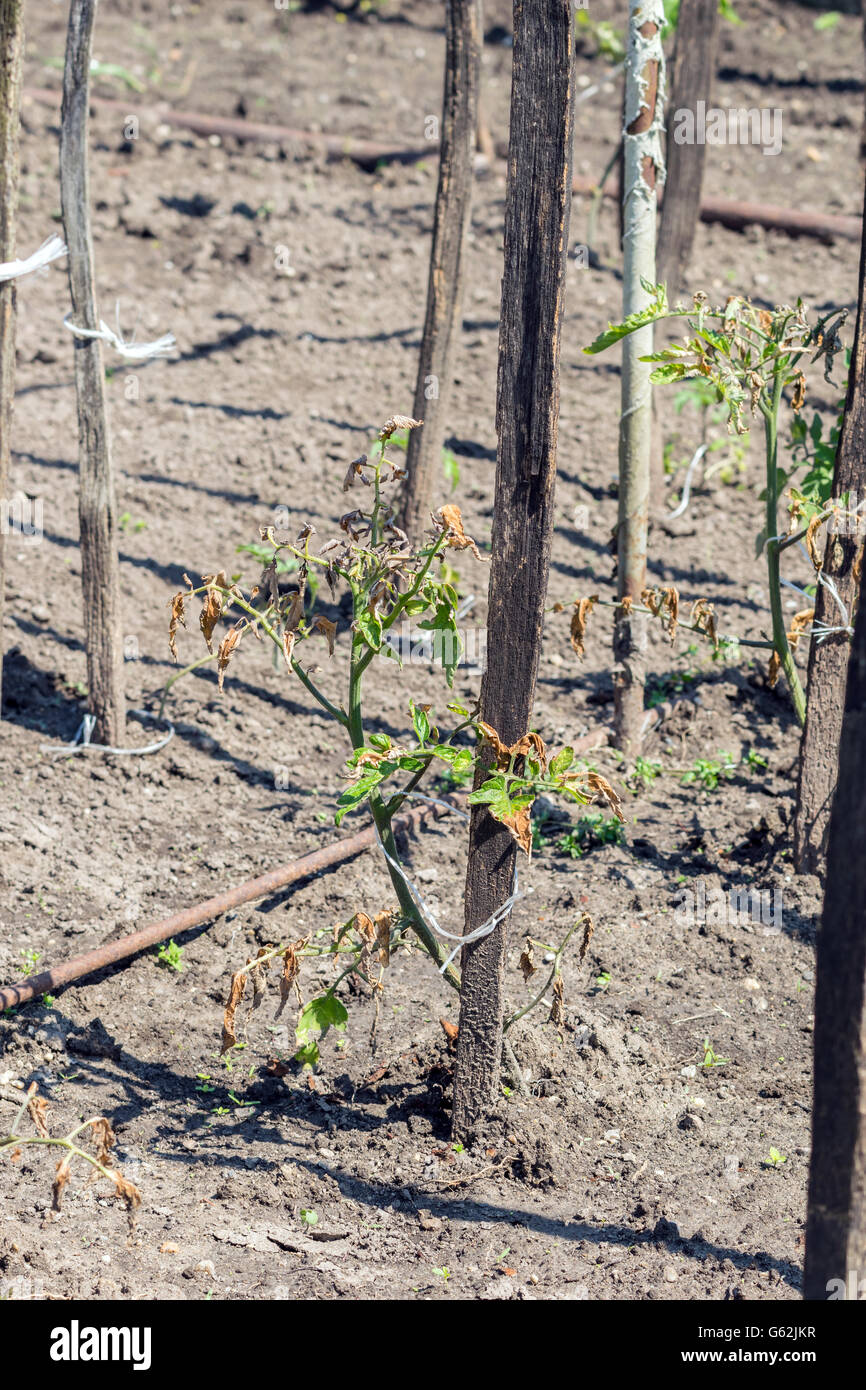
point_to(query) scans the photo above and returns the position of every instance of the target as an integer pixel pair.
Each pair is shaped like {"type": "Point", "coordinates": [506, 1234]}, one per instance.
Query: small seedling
{"type": "Point", "coordinates": [777, 1159]}
{"type": "Point", "coordinates": [602, 980]}
{"type": "Point", "coordinates": [711, 1058]}
{"type": "Point", "coordinates": [29, 960]}
{"type": "Point", "coordinates": [171, 956]}
{"type": "Point", "coordinates": [590, 830]}
{"type": "Point", "coordinates": [709, 771]}
{"type": "Point", "coordinates": [308, 1216]}
{"type": "Point", "coordinates": [444, 1272]}
{"type": "Point", "coordinates": [754, 760]}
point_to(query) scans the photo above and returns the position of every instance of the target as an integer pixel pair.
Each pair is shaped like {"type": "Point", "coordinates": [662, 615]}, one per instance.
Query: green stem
{"type": "Point", "coordinates": [382, 819]}
{"type": "Point", "coordinates": [780, 637]}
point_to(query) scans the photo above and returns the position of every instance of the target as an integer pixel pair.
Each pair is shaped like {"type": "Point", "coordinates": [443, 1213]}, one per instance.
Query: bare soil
{"type": "Point", "coordinates": [630, 1171]}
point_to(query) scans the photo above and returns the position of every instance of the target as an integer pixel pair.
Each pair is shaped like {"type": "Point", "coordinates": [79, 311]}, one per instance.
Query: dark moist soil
{"type": "Point", "coordinates": [630, 1171]}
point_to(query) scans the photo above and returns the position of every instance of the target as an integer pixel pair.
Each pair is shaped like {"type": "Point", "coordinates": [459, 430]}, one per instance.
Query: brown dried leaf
{"type": "Point", "coordinates": [664, 603]}
{"type": "Point", "coordinates": [527, 962]}
{"type": "Point", "coordinates": [291, 971]}
{"type": "Point", "coordinates": [384, 923]}
{"type": "Point", "coordinates": [236, 994]}
{"type": "Point", "coordinates": [704, 619]}
{"type": "Point", "coordinates": [774, 666]}
{"type": "Point", "coordinates": [625, 605]}
{"type": "Point", "coordinates": [811, 543]}
{"type": "Point", "coordinates": [212, 605]}
{"type": "Point", "coordinates": [61, 1178]}
{"type": "Point", "coordinates": [328, 631]}
{"type": "Point", "coordinates": [588, 929]}
{"type": "Point", "coordinates": [557, 1008]}
{"type": "Point", "coordinates": [356, 470]}
{"type": "Point", "coordinates": [126, 1190]}
{"type": "Point", "coordinates": [519, 827]}
{"type": "Point", "coordinates": [799, 624]}
{"type": "Point", "coordinates": [104, 1136]}
{"type": "Point", "coordinates": [398, 422]}
{"type": "Point", "coordinates": [450, 518]}
{"type": "Point", "coordinates": [37, 1107]}
{"type": "Point", "coordinates": [355, 524]}
{"type": "Point", "coordinates": [450, 1030]}
{"type": "Point", "coordinates": [529, 743]}
{"type": "Point", "coordinates": [582, 609]}
{"type": "Point", "coordinates": [258, 980]}
{"type": "Point", "coordinates": [798, 399]}
{"type": "Point", "coordinates": [294, 613]}
{"type": "Point", "coordinates": [224, 652]}
{"type": "Point", "coordinates": [599, 786]}
{"type": "Point", "coordinates": [288, 647]}
{"type": "Point", "coordinates": [177, 617]}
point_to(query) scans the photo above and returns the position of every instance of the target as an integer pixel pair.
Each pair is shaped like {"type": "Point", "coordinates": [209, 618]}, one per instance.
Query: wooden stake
{"type": "Point", "coordinates": [836, 1219]}
{"type": "Point", "coordinates": [447, 256]}
{"type": "Point", "coordinates": [11, 51]}
{"type": "Point", "coordinates": [692, 72]}
{"type": "Point", "coordinates": [828, 660]}
{"type": "Point", "coordinates": [538, 205]}
{"type": "Point", "coordinates": [642, 163]}
{"type": "Point", "coordinates": [96, 504]}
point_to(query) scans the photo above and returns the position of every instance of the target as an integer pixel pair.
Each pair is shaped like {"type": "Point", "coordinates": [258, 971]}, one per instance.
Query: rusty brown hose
{"type": "Point", "coordinates": [261, 887]}
{"type": "Point", "coordinates": [729, 212]}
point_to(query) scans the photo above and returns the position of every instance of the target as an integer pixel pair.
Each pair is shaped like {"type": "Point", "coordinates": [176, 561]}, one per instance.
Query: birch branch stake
{"type": "Point", "coordinates": [11, 49]}
{"type": "Point", "coordinates": [96, 504]}
{"type": "Point", "coordinates": [643, 164]}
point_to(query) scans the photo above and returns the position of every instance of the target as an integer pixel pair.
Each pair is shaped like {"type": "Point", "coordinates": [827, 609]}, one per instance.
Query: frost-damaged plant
{"type": "Point", "coordinates": [390, 581]}
{"type": "Point", "coordinates": [752, 356]}
{"type": "Point", "coordinates": [102, 1135]}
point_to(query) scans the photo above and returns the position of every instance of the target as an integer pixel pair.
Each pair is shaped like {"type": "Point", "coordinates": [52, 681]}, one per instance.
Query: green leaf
{"type": "Point", "coordinates": [562, 762]}
{"type": "Point", "coordinates": [380, 741]}
{"type": "Point", "coordinates": [308, 1054]}
{"type": "Point", "coordinates": [656, 309]}
{"type": "Point", "coordinates": [369, 625]}
{"type": "Point", "coordinates": [320, 1014]}
{"type": "Point", "coordinates": [357, 792]}
{"type": "Point", "coordinates": [673, 371]}
{"type": "Point", "coordinates": [420, 722]}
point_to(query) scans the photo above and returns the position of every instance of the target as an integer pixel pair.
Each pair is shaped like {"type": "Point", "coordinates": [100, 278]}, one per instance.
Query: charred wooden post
{"type": "Point", "coordinates": [538, 205]}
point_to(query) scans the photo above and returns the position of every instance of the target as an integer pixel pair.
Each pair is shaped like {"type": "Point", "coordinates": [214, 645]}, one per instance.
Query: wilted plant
{"type": "Point", "coordinates": [751, 356]}
{"type": "Point", "coordinates": [101, 1134]}
{"type": "Point", "coordinates": [389, 579]}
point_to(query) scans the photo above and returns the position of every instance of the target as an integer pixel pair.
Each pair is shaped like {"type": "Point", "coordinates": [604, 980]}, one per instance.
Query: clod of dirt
{"type": "Point", "coordinates": [93, 1041]}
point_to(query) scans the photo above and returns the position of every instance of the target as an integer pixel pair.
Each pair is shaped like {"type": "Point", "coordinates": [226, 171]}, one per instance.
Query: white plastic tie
{"type": "Point", "coordinates": [50, 250]}
{"type": "Point", "coordinates": [427, 914]}
{"type": "Point", "coordinates": [82, 744]}
{"type": "Point", "coordinates": [133, 352]}
{"type": "Point", "coordinates": [687, 485]}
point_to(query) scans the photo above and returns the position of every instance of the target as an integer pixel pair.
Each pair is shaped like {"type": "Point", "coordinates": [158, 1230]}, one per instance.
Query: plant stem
{"type": "Point", "coordinates": [382, 819]}
{"type": "Point", "coordinates": [770, 411]}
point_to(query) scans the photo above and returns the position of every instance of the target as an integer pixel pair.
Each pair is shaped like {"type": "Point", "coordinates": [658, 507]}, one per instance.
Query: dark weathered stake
{"type": "Point", "coordinates": [828, 660]}
{"type": "Point", "coordinates": [447, 256]}
{"type": "Point", "coordinates": [538, 205]}
{"type": "Point", "coordinates": [692, 72]}
{"type": "Point", "coordinates": [836, 1223]}
{"type": "Point", "coordinates": [11, 50]}
{"type": "Point", "coordinates": [96, 505]}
